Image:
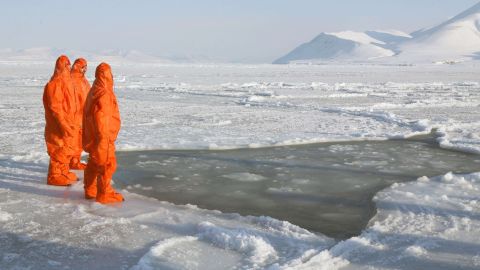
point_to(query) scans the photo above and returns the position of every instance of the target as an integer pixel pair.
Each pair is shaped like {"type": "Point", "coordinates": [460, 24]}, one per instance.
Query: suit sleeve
{"type": "Point", "coordinates": [103, 114]}
{"type": "Point", "coordinates": [55, 104]}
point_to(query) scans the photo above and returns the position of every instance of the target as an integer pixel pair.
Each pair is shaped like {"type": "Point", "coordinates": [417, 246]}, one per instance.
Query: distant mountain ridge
{"type": "Point", "coordinates": [46, 54]}
{"type": "Point", "coordinates": [457, 39]}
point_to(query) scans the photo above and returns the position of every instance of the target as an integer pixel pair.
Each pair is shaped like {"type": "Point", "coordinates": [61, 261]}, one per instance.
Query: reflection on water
{"type": "Point", "coordinates": [326, 188]}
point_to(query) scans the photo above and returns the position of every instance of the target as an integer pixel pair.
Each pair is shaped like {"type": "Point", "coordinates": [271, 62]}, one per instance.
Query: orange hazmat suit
{"type": "Point", "coordinates": [101, 120]}
{"type": "Point", "coordinates": [60, 107]}
{"type": "Point", "coordinates": [82, 87]}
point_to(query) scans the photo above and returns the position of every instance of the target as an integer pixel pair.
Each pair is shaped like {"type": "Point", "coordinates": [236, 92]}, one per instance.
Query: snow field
{"type": "Point", "coordinates": [429, 223]}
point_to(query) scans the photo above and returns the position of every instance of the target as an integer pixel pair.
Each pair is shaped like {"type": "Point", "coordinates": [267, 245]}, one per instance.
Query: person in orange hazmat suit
{"type": "Point", "coordinates": [82, 87]}
{"type": "Point", "coordinates": [60, 107]}
{"type": "Point", "coordinates": [101, 124]}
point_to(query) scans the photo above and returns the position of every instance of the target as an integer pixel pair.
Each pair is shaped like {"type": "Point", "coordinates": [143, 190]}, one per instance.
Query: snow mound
{"type": "Point", "coordinates": [215, 246]}
{"type": "Point", "coordinates": [151, 259]}
{"type": "Point", "coordinates": [257, 248]}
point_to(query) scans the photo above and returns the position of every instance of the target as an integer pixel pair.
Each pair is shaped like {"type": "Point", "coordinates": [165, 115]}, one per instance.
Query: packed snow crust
{"type": "Point", "coordinates": [430, 223]}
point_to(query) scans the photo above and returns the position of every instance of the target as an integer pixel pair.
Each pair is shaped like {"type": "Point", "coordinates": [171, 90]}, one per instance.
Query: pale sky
{"type": "Point", "coordinates": [221, 30]}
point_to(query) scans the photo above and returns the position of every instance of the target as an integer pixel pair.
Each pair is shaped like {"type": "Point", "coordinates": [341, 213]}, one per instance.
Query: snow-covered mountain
{"type": "Point", "coordinates": [457, 39]}
{"type": "Point", "coordinates": [347, 45]}
{"type": "Point", "coordinates": [31, 54]}
{"type": "Point", "coordinates": [46, 54]}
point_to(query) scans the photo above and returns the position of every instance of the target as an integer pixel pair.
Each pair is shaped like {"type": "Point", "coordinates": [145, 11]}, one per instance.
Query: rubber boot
{"type": "Point", "coordinates": [70, 175]}
{"type": "Point", "coordinates": [59, 180]}
{"type": "Point", "coordinates": [73, 177]}
{"type": "Point", "coordinates": [90, 181]}
{"type": "Point", "coordinates": [106, 194]}
{"type": "Point", "coordinates": [55, 176]}
{"type": "Point", "coordinates": [76, 164]}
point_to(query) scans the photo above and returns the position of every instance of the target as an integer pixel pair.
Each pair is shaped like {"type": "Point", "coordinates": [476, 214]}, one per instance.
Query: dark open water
{"type": "Point", "coordinates": [326, 187]}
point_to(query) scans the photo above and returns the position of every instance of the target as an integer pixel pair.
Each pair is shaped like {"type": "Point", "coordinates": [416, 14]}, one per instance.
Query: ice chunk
{"type": "Point", "coordinates": [244, 177]}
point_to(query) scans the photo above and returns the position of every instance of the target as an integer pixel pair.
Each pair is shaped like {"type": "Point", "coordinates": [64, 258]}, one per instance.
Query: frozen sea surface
{"type": "Point", "coordinates": [430, 223]}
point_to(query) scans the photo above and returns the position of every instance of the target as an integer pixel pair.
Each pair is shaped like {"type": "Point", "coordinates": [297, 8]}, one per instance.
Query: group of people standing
{"type": "Point", "coordinates": [82, 118]}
